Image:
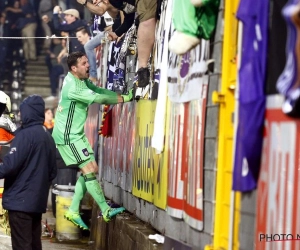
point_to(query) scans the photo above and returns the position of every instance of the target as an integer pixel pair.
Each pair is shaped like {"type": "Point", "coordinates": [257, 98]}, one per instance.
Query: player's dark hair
{"type": "Point", "coordinates": [73, 58]}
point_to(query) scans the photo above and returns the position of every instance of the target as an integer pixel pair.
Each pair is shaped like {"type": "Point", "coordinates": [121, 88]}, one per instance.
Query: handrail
{"type": "Point", "coordinates": [64, 187]}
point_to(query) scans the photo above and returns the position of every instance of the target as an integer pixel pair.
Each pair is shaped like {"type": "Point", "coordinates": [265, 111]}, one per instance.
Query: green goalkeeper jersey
{"type": "Point", "coordinates": [76, 97]}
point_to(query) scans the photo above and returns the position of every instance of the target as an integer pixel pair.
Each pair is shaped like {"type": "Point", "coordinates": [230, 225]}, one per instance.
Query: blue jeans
{"type": "Point", "coordinates": [90, 52]}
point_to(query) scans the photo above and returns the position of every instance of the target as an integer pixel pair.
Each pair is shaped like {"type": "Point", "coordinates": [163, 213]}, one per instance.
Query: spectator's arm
{"type": "Point", "coordinates": [124, 27]}
{"type": "Point", "coordinates": [122, 16]}
{"type": "Point", "coordinates": [55, 21]}
{"type": "Point", "coordinates": [108, 28]}
{"type": "Point", "coordinates": [62, 53]}
{"type": "Point", "coordinates": [97, 10]}
{"type": "Point", "coordinates": [51, 26]}
{"type": "Point", "coordinates": [14, 10]}
{"type": "Point", "coordinates": [112, 36]}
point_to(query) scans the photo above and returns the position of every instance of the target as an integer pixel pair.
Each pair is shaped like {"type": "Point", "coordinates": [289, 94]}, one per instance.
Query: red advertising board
{"type": "Point", "coordinates": [177, 158]}
{"type": "Point", "coordinates": [193, 202]}
{"type": "Point", "coordinates": [278, 201]}
{"type": "Point", "coordinates": [185, 183]}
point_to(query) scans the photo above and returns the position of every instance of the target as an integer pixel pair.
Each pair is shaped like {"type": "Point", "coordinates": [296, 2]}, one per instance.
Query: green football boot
{"type": "Point", "coordinates": [75, 219]}
{"type": "Point", "coordinates": [112, 212]}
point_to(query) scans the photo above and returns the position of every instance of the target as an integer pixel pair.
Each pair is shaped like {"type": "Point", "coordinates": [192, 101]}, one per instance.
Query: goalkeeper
{"type": "Point", "coordinates": [77, 94]}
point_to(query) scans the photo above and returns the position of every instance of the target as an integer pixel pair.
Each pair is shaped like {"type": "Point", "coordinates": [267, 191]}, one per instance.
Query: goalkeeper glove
{"type": "Point", "coordinates": [128, 97]}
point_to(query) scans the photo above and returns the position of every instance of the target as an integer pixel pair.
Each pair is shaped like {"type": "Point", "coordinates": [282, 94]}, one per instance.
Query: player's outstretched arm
{"type": "Point", "coordinates": [108, 96]}
{"type": "Point", "coordinates": [109, 99]}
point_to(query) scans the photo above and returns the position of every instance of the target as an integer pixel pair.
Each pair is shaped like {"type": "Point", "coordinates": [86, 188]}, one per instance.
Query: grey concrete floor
{"type": "Point", "coordinates": [49, 243]}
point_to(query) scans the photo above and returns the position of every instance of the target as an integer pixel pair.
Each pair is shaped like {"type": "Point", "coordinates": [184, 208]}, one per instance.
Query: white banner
{"type": "Point", "coordinates": [187, 74]}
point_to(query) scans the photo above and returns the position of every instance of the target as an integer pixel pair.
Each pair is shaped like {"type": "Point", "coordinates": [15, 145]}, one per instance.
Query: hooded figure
{"type": "Point", "coordinates": [28, 170]}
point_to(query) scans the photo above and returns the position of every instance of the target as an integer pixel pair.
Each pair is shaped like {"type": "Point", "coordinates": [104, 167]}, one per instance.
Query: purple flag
{"type": "Point", "coordinates": [252, 73]}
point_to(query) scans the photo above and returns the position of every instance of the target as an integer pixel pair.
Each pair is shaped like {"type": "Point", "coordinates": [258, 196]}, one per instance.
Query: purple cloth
{"type": "Point", "coordinates": [287, 83]}
{"type": "Point", "coordinates": [288, 77]}
{"type": "Point", "coordinates": [252, 74]}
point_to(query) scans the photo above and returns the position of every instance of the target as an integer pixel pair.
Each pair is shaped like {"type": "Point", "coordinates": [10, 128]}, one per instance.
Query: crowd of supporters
{"type": "Point", "coordinates": [20, 22]}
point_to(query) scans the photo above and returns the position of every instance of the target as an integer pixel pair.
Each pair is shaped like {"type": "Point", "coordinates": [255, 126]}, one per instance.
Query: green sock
{"type": "Point", "coordinates": [80, 190]}
{"type": "Point", "coordinates": [95, 190]}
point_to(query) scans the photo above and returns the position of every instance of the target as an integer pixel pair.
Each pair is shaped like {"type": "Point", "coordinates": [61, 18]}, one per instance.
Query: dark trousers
{"type": "Point", "coordinates": [26, 230]}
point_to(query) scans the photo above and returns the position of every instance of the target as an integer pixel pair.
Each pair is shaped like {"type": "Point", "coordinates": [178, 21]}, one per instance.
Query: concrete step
{"type": "Point", "coordinates": [30, 90]}
{"type": "Point", "coordinates": [38, 72]}
{"type": "Point", "coordinates": [36, 75]}
{"type": "Point", "coordinates": [40, 61]}
{"type": "Point", "coordinates": [126, 232]}
{"type": "Point", "coordinates": [40, 66]}
{"type": "Point", "coordinates": [36, 79]}
{"type": "Point", "coordinates": [37, 83]}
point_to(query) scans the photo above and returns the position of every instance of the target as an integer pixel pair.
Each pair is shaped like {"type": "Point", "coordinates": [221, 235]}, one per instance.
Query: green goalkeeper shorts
{"type": "Point", "coordinates": [79, 153]}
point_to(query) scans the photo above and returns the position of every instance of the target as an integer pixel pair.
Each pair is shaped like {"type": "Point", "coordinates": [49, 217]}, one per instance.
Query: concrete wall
{"type": "Point", "coordinates": [126, 232]}
{"type": "Point", "coordinates": [247, 223]}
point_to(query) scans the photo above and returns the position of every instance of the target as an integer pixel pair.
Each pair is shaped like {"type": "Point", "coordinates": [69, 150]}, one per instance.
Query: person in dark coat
{"type": "Point", "coordinates": [28, 170]}
{"type": "Point", "coordinates": [71, 25]}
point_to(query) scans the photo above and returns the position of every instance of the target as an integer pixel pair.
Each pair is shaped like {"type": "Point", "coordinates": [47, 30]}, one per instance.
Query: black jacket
{"type": "Point", "coordinates": [128, 8]}
{"type": "Point", "coordinates": [30, 165]}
